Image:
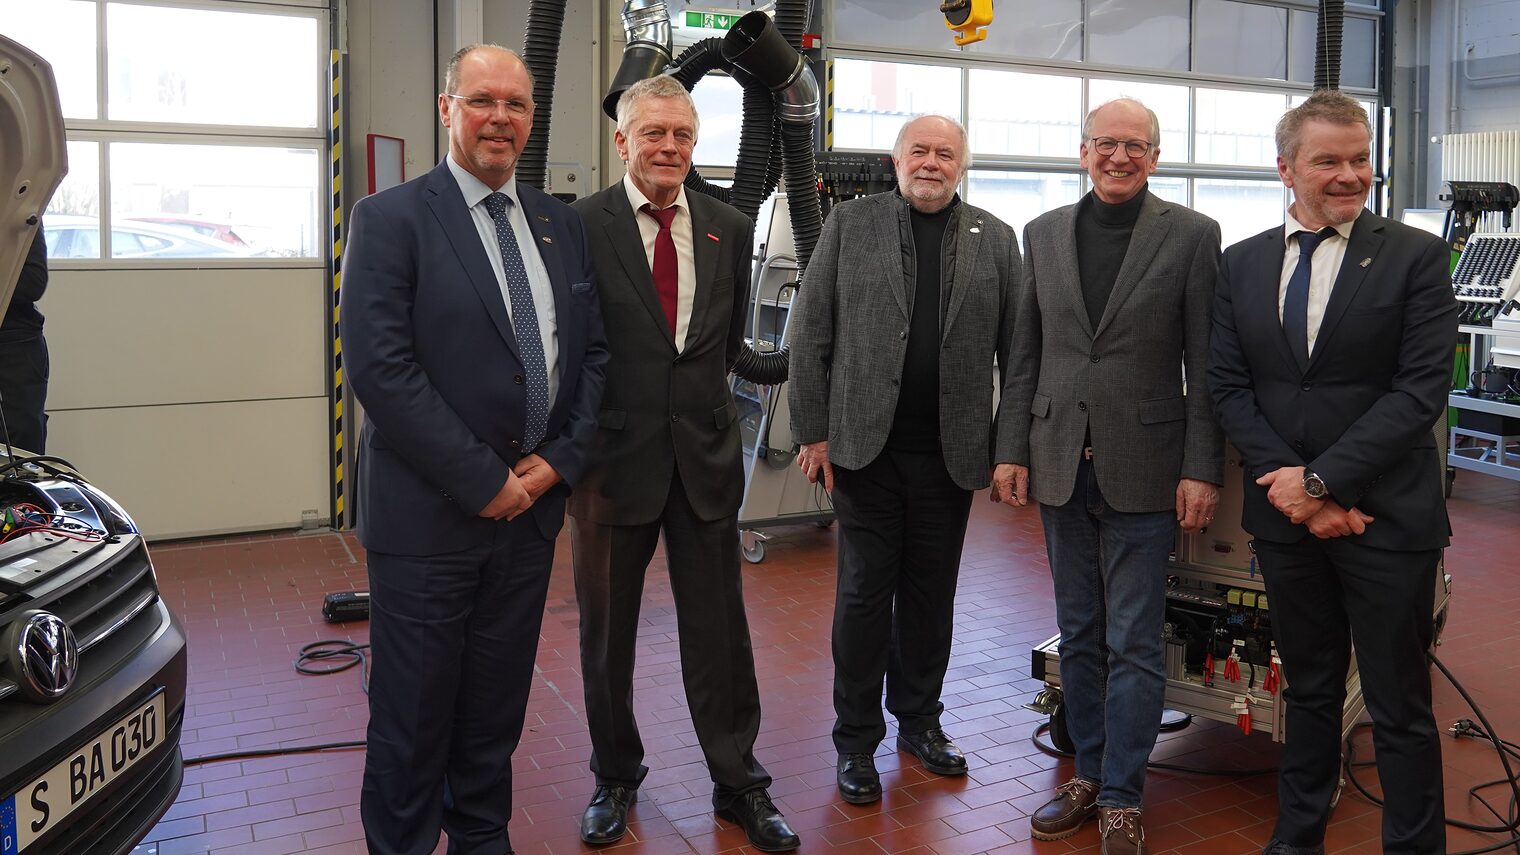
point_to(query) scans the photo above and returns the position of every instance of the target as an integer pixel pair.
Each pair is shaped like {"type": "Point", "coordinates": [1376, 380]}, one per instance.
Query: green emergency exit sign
{"type": "Point", "coordinates": [711, 20]}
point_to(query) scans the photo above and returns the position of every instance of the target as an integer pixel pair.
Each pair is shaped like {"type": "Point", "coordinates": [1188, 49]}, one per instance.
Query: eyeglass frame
{"type": "Point", "coordinates": [1098, 144]}
{"type": "Point", "coordinates": [468, 101]}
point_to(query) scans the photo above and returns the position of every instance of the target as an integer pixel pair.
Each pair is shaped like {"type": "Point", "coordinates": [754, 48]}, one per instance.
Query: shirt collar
{"type": "Point", "coordinates": [1293, 227]}
{"type": "Point", "coordinates": [638, 200]}
{"type": "Point", "coordinates": [474, 190]}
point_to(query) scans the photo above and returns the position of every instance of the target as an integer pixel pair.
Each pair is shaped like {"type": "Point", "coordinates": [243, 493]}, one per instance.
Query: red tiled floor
{"type": "Point", "coordinates": [250, 604]}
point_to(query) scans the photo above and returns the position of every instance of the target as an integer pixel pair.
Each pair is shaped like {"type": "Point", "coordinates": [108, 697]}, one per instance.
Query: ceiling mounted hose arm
{"type": "Point", "coordinates": [755, 46]}
{"type": "Point", "coordinates": [646, 28]}
{"type": "Point", "coordinates": [546, 21]}
{"type": "Point", "coordinates": [1327, 44]}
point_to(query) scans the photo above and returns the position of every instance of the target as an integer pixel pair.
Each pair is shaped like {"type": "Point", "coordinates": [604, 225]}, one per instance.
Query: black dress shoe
{"type": "Point", "coordinates": [935, 750]}
{"type": "Point", "coordinates": [765, 827]}
{"type": "Point", "coordinates": [606, 817]}
{"type": "Point", "coordinates": [859, 782]}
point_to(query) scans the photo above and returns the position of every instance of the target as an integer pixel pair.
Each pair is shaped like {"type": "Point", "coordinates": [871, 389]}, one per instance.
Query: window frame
{"type": "Point", "coordinates": [105, 131]}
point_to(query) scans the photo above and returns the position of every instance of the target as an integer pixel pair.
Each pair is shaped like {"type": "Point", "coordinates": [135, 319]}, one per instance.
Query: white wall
{"type": "Point", "coordinates": [1443, 50]}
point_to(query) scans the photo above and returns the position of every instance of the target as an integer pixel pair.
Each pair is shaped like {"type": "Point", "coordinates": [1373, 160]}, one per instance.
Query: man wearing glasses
{"type": "Point", "coordinates": [472, 336]}
{"type": "Point", "coordinates": [1113, 325]}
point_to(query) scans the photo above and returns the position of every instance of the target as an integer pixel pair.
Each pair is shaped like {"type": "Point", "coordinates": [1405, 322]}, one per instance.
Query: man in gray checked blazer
{"type": "Point", "coordinates": [906, 303]}
{"type": "Point", "coordinates": [1113, 325]}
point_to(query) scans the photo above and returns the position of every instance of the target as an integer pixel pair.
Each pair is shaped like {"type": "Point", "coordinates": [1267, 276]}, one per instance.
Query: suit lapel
{"type": "Point", "coordinates": [1366, 240]}
{"type": "Point", "coordinates": [889, 243]}
{"type": "Point", "coordinates": [623, 233]}
{"type": "Point", "coordinates": [967, 243]}
{"type": "Point", "coordinates": [1263, 297]}
{"type": "Point", "coordinates": [447, 204]}
{"type": "Point", "coordinates": [707, 243]}
{"type": "Point", "coordinates": [1071, 278]}
{"type": "Point", "coordinates": [1144, 242]}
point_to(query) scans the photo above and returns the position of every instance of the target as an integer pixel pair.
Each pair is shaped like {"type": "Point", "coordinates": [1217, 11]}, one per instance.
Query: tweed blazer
{"type": "Point", "coordinates": [849, 333]}
{"type": "Point", "coordinates": [1125, 381]}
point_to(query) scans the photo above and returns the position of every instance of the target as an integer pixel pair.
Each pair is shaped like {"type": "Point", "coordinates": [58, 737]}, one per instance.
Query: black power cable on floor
{"type": "Point", "coordinates": [341, 655]}
{"type": "Point", "coordinates": [1465, 727]}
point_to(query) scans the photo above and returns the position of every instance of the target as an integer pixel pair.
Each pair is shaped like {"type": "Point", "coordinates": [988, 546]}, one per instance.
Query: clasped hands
{"type": "Point", "coordinates": [1324, 518]}
{"type": "Point", "coordinates": [529, 479]}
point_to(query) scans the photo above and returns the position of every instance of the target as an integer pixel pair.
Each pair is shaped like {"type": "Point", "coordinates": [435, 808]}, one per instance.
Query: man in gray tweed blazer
{"type": "Point", "coordinates": [906, 303]}
{"type": "Point", "coordinates": [1113, 326]}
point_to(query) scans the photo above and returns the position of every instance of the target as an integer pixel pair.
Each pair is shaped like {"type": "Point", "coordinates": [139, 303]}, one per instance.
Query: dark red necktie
{"type": "Point", "coordinates": [666, 273]}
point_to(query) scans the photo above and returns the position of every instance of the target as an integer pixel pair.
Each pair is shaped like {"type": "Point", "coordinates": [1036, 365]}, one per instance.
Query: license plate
{"type": "Point", "coordinates": [42, 805]}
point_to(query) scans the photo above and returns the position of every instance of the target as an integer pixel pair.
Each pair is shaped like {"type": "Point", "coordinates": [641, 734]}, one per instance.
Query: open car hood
{"type": "Point", "coordinates": [33, 158]}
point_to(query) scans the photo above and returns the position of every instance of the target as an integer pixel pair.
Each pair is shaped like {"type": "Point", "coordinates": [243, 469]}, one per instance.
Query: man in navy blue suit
{"type": "Point", "coordinates": [1329, 364]}
{"type": "Point", "coordinates": [473, 339]}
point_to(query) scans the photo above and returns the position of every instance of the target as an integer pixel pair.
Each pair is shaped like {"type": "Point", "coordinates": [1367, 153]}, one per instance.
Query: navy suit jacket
{"type": "Point", "coordinates": [429, 351]}
{"type": "Point", "coordinates": [1361, 414]}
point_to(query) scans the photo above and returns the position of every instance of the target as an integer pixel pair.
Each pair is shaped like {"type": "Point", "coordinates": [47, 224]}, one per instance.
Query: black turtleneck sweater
{"type": "Point", "coordinates": [915, 424]}
{"type": "Point", "coordinates": [1103, 233]}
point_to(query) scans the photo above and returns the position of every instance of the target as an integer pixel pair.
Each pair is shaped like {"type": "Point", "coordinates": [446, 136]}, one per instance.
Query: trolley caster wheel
{"type": "Point", "coordinates": [752, 546]}
{"type": "Point", "coordinates": [1060, 736]}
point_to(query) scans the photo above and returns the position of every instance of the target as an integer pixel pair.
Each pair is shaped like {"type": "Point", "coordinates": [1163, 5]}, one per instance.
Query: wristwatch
{"type": "Point", "coordinates": [1314, 485]}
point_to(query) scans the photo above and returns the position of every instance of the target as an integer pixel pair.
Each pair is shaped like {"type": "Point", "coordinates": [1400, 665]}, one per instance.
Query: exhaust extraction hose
{"type": "Point", "coordinates": [546, 20]}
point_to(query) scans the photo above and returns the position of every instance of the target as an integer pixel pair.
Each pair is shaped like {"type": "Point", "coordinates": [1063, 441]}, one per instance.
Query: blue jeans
{"type": "Point", "coordinates": [1113, 663]}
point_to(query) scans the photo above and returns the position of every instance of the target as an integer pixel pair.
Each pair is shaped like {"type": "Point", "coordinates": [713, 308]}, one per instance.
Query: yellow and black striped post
{"type": "Point", "coordinates": [335, 143]}
{"type": "Point", "coordinates": [828, 106]}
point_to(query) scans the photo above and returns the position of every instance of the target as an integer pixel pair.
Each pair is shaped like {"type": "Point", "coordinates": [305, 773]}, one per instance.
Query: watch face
{"type": "Point", "coordinates": [1314, 486]}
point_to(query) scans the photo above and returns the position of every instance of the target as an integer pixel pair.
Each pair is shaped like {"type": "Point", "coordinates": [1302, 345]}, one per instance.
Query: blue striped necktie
{"type": "Point", "coordinates": [530, 347]}
{"type": "Point", "coordinates": [1295, 318]}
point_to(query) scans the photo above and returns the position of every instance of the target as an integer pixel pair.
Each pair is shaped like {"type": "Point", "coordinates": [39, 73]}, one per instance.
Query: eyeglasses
{"type": "Point", "coordinates": [481, 104]}
{"type": "Point", "coordinates": [1134, 148]}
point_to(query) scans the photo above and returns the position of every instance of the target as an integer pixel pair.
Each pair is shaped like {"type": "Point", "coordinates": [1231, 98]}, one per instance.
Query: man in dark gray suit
{"type": "Point", "coordinates": [672, 271]}
{"type": "Point", "coordinates": [1113, 319]}
{"type": "Point", "coordinates": [906, 303]}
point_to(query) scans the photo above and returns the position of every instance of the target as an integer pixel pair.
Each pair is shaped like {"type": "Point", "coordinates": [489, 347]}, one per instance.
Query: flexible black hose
{"type": "Point", "coordinates": [693, 63]}
{"type": "Point", "coordinates": [754, 149]}
{"type": "Point", "coordinates": [792, 20]}
{"type": "Point", "coordinates": [764, 368]}
{"type": "Point", "coordinates": [802, 190]}
{"type": "Point", "coordinates": [546, 19]}
{"type": "Point", "coordinates": [1327, 44]}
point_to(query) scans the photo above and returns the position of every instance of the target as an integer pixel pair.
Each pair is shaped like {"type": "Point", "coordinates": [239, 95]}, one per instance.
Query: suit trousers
{"type": "Point", "coordinates": [717, 662]}
{"type": "Point", "coordinates": [1325, 594]}
{"type": "Point", "coordinates": [453, 639]}
{"type": "Point", "coordinates": [902, 524]}
{"type": "Point", "coordinates": [23, 388]}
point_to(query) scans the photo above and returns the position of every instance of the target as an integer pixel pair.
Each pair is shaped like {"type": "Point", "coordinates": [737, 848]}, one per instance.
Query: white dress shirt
{"type": "Point", "coordinates": [1324, 267]}
{"type": "Point", "coordinates": [475, 192]}
{"type": "Point", "coordinates": [686, 259]}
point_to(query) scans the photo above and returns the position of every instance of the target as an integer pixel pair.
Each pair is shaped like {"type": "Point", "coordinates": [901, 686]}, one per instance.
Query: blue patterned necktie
{"type": "Point", "coordinates": [524, 324]}
{"type": "Point", "coordinates": [1295, 318]}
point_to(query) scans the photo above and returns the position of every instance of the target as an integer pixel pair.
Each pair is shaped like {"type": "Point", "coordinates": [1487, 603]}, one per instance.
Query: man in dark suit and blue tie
{"type": "Point", "coordinates": [1329, 364]}
{"type": "Point", "coordinates": [673, 273]}
{"type": "Point", "coordinates": [472, 337]}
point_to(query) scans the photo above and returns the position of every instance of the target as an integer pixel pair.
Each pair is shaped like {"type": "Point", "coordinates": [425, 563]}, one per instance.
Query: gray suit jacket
{"type": "Point", "coordinates": [1123, 381]}
{"type": "Point", "coordinates": [666, 412]}
{"type": "Point", "coordinates": [849, 333]}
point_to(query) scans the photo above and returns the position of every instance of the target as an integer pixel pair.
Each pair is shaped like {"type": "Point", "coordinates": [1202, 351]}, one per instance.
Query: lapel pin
{"type": "Point", "coordinates": [1366, 261]}
{"type": "Point", "coordinates": [976, 230]}
{"type": "Point", "coordinates": [547, 239]}
{"type": "Point", "coordinates": [544, 218]}
{"type": "Point", "coordinates": [712, 237]}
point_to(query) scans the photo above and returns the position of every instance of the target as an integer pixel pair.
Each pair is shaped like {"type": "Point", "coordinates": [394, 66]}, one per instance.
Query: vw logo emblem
{"type": "Point", "coordinates": [44, 654]}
